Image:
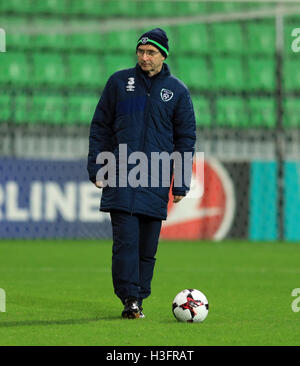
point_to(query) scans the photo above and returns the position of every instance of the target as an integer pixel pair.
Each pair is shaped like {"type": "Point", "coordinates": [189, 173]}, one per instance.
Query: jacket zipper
{"type": "Point", "coordinates": [144, 135]}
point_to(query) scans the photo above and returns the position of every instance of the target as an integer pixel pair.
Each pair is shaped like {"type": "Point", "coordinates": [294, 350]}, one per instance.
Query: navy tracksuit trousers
{"type": "Point", "coordinates": [135, 240]}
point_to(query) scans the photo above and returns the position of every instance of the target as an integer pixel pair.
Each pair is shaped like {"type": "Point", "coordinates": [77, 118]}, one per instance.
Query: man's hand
{"type": "Point", "coordinates": [99, 184]}
{"type": "Point", "coordinates": [177, 199]}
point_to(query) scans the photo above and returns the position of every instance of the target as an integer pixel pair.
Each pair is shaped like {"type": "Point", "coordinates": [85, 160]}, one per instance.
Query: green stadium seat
{"type": "Point", "coordinates": [53, 39]}
{"type": "Point", "coordinates": [262, 112]}
{"type": "Point", "coordinates": [193, 72]}
{"type": "Point", "coordinates": [157, 8]}
{"type": "Point", "coordinates": [121, 8]}
{"type": "Point", "coordinates": [14, 68]}
{"type": "Point", "coordinates": [192, 38]}
{"type": "Point", "coordinates": [291, 74]}
{"type": "Point", "coordinates": [291, 112]}
{"type": "Point", "coordinates": [85, 70]}
{"type": "Point", "coordinates": [16, 6]}
{"type": "Point", "coordinates": [123, 42]}
{"type": "Point", "coordinates": [293, 19]}
{"type": "Point", "coordinates": [23, 109]}
{"type": "Point", "coordinates": [91, 41]}
{"type": "Point", "coordinates": [228, 38]}
{"type": "Point", "coordinates": [190, 7]}
{"type": "Point", "coordinates": [114, 63]}
{"type": "Point", "coordinates": [55, 7]}
{"type": "Point", "coordinates": [16, 39]}
{"type": "Point", "coordinates": [260, 38]}
{"type": "Point", "coordinates": [86, 7]}
{"type": "Point", "coordinates": [231, 112]}
{"type": "Point", "coordinates": [48, 109]}
{"type": "Point", "coordinates": [258, 5]}
{"type": "Point", "coordinates": [261, 74]}
{"type": "Point", "coordinates": [228, 73]}
{"type": "Point", "coordinates": [224, 6]}
{"type": "Point", "coordinates": [171, 62]}
{"type": "Point", "coordinates": [202, 111]}
{"type": "Point", "coordinates": [48, 68]}
{"type": "Point", "coordinates": [81, 108]}
{"type": "Point", "coordinates": [5, 107]}
{"type": "Point", "coordinates": [34, 6]}
{"type": "Point", "coordinates": [39, 108]}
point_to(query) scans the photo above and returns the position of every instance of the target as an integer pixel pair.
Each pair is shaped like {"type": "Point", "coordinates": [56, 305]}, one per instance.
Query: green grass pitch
{"type": "Point", "coordinates": [60, 293]}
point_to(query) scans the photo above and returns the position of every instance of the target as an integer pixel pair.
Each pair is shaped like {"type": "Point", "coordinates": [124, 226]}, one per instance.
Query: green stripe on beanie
{"type": "Point", "coordinates": [156, 44]}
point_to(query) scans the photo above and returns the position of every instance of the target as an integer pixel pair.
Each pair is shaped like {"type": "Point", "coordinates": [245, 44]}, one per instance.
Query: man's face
{"type": "Point", "coordinates": [150, 59]}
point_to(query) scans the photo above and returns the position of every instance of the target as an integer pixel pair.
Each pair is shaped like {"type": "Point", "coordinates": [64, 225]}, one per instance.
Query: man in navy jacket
{"type": "Point", "coordinates": [142, 110]}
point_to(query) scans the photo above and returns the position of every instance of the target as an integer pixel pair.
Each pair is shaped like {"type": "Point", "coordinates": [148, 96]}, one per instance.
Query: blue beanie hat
{"type": "Point", "coordinates": [156, 37]}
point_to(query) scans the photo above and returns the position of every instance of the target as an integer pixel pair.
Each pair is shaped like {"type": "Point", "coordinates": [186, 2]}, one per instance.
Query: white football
{"type": "Point", "coordinates": [190, 305]}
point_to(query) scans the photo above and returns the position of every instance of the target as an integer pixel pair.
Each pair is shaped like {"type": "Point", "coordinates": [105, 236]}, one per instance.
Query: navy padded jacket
{"type": "Point", "coordinates": [149, 115]}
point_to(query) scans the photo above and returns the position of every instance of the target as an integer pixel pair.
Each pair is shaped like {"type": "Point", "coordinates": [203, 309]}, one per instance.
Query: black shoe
{"type": "Point", "coordinates": [142, 315]}
{"type": "Point", "coordinates": [132, 309]}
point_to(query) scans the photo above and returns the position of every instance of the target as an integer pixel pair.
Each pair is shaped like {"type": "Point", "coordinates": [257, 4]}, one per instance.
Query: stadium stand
{"type": "Point", "coordinates": [74, 66]}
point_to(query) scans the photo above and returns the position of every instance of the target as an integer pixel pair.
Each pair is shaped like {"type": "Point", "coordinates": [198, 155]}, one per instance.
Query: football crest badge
{"type": "Point", "coordinates": [166, 95]}
{"type": "Point", "coordinates": [144, 40]}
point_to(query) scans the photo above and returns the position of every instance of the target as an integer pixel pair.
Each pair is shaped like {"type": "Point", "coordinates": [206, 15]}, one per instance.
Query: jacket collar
{"type": "Point", "coordinates": [165, 71]}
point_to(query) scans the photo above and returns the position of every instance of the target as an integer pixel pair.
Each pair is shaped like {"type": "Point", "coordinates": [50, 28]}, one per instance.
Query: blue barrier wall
{"type": "Point", "coordinates": [292, 201]}
{"type": "Point", "coordinates": [55, 199]}
{"type": "Point", "coordinates": [49, 199]}
{"type": "Point", "coordinates": [263, 201]}
{"type": "Point", "coordinates": [263, 224]}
